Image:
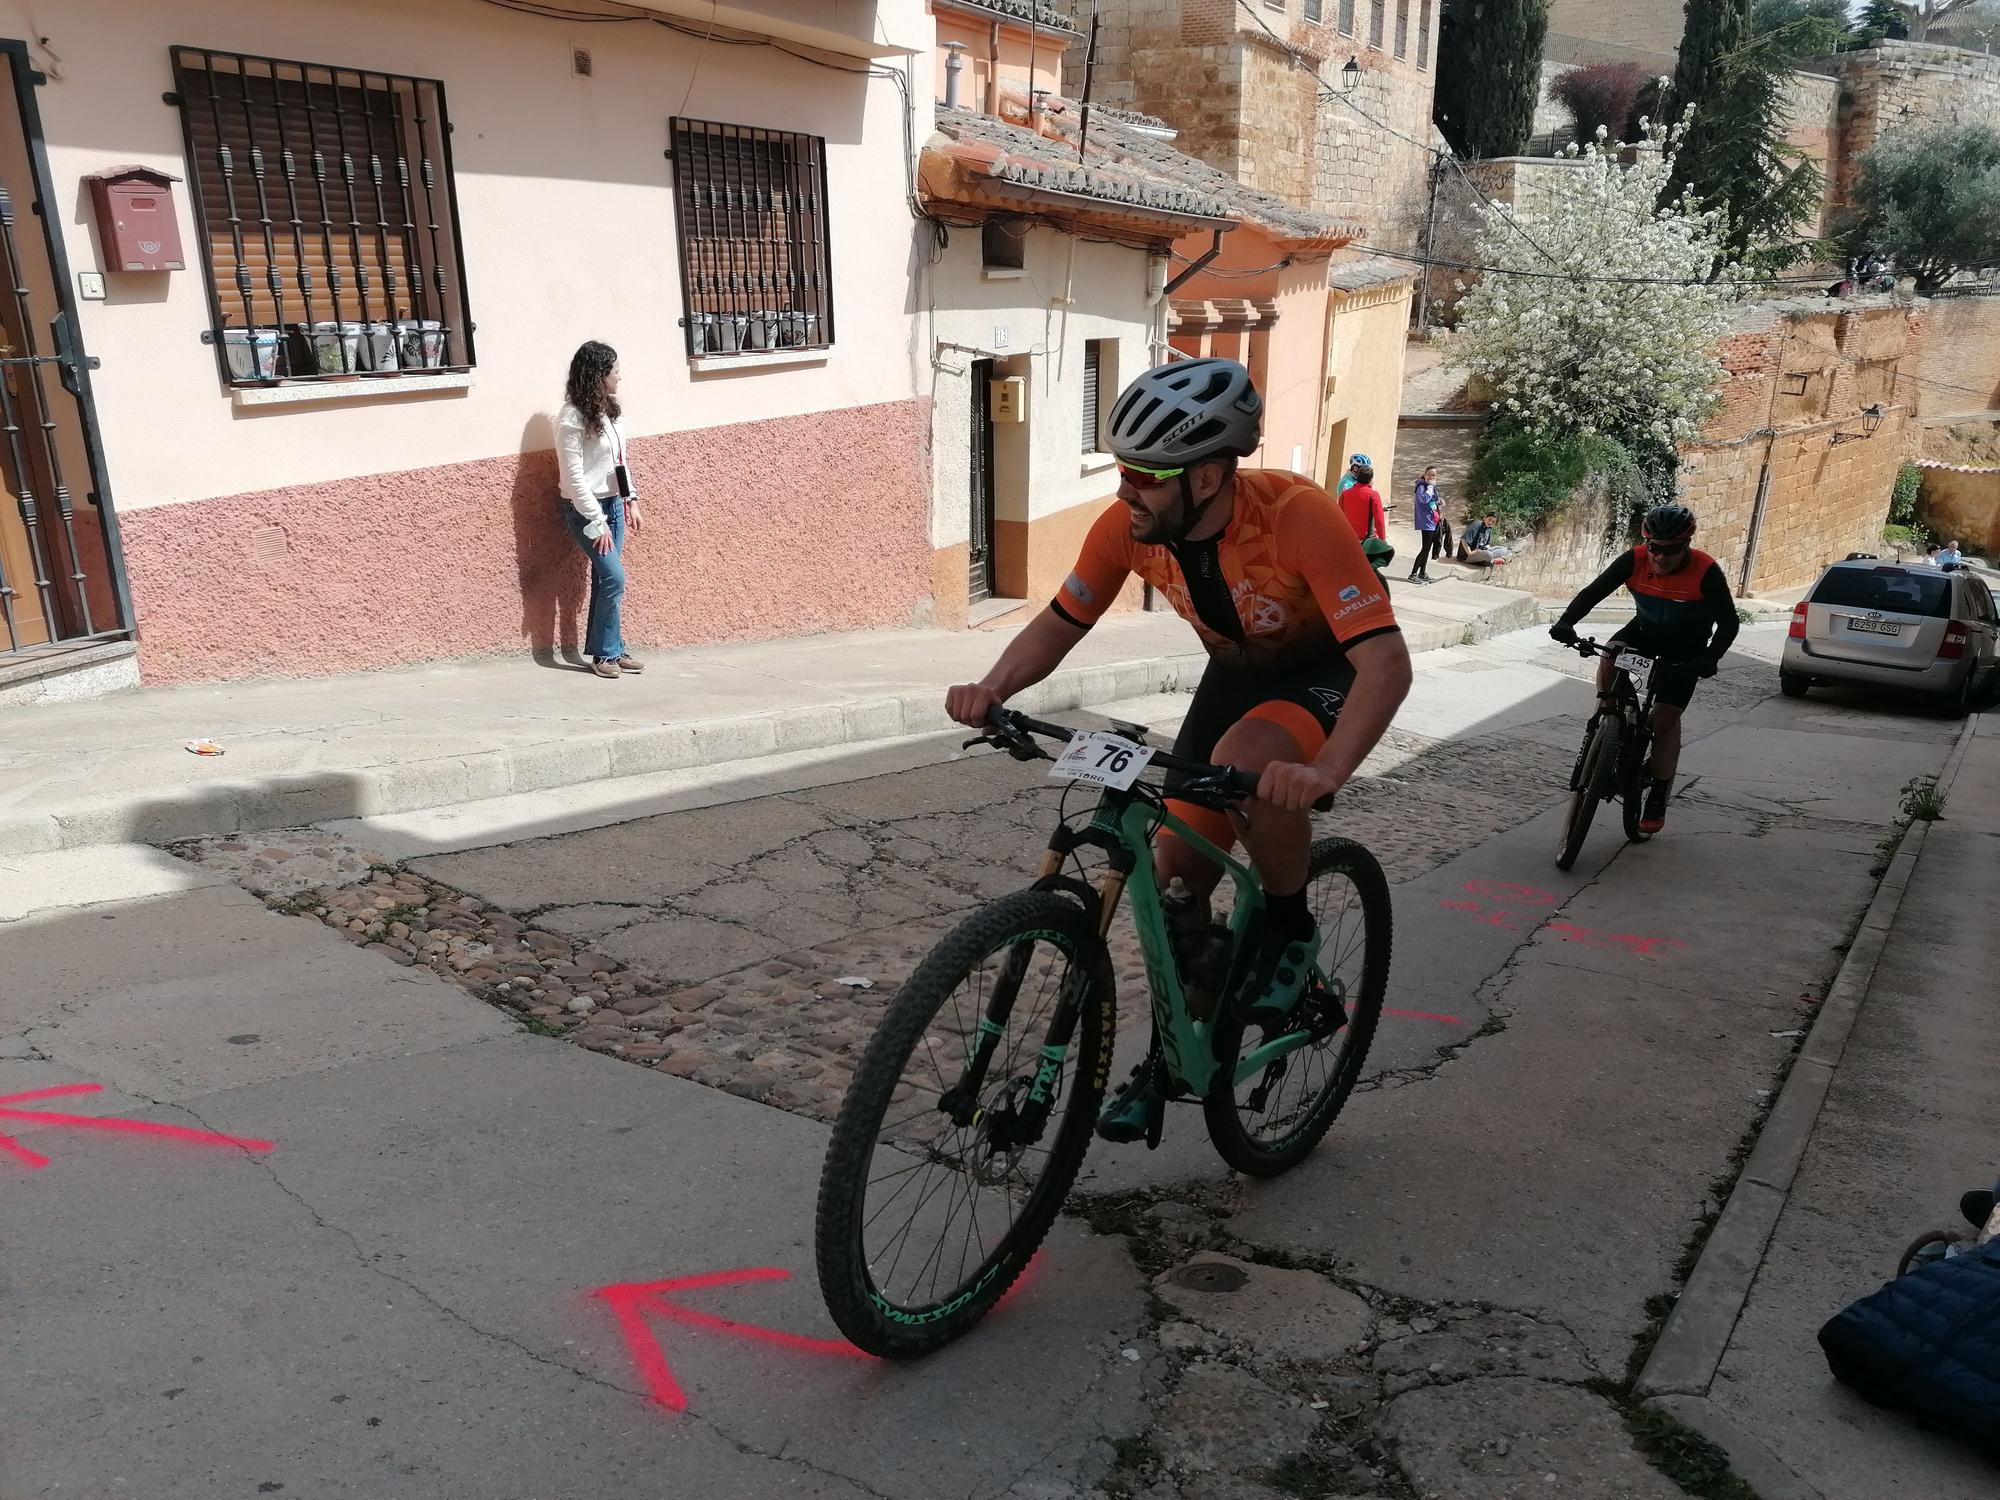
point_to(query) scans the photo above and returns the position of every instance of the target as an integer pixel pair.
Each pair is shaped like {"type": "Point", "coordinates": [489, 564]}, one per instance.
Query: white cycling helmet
{"type": "Point", "coordinates": [1176, 415]}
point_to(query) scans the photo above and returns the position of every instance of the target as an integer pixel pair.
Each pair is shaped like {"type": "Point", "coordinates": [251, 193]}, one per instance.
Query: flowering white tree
{"type": "Point", "coordinates": [1605, 329]}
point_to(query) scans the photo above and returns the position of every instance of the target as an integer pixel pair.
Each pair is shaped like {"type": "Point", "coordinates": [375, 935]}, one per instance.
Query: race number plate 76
{"type": "Point", "coordinates": [1100, 759]}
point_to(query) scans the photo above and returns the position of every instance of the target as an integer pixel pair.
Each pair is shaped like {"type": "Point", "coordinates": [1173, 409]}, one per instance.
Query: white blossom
{"type": "Point", "coordinates": [1610, 335]}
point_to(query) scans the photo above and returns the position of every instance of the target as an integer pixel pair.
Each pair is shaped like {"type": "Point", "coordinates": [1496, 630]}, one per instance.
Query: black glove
{"type": "Point", "coordinates": [1564, 633]}
{"type": "Point", "coordinates": [1708, 666]}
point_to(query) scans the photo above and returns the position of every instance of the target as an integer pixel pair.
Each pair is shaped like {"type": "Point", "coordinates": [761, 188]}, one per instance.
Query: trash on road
{"type": "Point", "coordinates": [203, 747]}
{"type": "Point", "coordinates": [856, 982]}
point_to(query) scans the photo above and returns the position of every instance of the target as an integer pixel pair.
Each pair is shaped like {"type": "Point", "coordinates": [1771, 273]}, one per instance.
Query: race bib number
{"type": "Point", "coordinates": [1100, 759]}
{"type": "Point", "coordinates": [1641, 668]}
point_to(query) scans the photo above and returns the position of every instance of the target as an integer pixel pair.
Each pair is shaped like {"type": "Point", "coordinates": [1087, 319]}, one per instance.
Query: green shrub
{"type": "Point", "coordinates": [1903, 498]}
{"type": "Point", "coordinates": [1523, 475]}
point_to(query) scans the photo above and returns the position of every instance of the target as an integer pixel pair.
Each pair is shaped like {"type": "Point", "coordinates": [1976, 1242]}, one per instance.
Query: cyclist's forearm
{"type": "Point", "coordinates": [1381, 683]}
{"type": "Point", "coordinates": [1037, 651]}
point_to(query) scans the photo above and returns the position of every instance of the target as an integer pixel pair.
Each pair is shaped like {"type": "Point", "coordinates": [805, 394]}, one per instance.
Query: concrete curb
{"type": "Point", "coordinates": [1696, 1335]}
{"type": "Point", "coordinates": [285, 801]}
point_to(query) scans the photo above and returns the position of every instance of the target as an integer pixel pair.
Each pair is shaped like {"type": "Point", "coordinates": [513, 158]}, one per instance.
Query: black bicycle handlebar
{"type": "Point", "coordinates": [1006, 728]}
{"type": "Point", "coordinates": [1588, 646]}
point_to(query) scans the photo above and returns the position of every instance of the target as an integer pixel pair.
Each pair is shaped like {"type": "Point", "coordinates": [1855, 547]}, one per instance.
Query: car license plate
{"type": "Point", "coordinates": [1875, 627]}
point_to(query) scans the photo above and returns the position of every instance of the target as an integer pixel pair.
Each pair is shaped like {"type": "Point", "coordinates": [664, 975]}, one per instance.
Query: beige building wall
{"type": "Point", "coordinates": [1366, 338]}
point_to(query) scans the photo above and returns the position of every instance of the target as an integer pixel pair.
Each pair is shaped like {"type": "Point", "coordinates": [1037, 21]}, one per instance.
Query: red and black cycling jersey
{"type": "Point", "coordinates": [1689, 612]}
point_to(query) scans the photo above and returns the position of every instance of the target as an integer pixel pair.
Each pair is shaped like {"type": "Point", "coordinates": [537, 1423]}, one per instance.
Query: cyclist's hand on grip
{"type": "Point", "coordinates": [1294, 787]}
{"type": "Point", "coordinates": [970, 702]}
{"type": "Point", "coordinates": [1564, 633]}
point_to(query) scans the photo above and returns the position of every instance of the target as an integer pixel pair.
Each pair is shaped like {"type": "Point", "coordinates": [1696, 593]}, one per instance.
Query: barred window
{"type": "Point", "coordinates": [1093, 391]}
{"type": "Point", "coordinates": [756, 268]}
{"type": "Point", "coordinates": [1424, 34]}
{"type": "Point", "coordinates": [1313, 11]}
{"type": "Point", "coordinates": [1402, 28]}
{"type": "Point", "coordinates": [1347, 17]}
{"type": "Point", "coordinates": [327, 218]}
{"type": "Point", "coordinates": [1377, 11]}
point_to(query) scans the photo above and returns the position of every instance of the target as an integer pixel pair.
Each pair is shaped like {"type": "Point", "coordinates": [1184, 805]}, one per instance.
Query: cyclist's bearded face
{"type": "Point", "coordinates": [1158, 511]}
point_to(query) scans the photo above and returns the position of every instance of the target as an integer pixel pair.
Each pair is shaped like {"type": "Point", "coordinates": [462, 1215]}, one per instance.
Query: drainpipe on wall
{"type": "Point", "coordinates": [993, 72]}
{"type": "Point", "coordinates": [1764, 478]}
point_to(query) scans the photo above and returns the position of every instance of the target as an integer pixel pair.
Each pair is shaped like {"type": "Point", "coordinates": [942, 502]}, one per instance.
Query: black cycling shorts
{"type": "Point", "coordinates": [1305, 702]}
{"type": "Point", "coordinates": [1672, 683]}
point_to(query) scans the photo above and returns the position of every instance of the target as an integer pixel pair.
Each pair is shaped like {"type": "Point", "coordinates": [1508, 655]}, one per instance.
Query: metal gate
{"type": "Point", "coordinates": [979, 580]}
{"type": "Point", "coordinates": [62, 577]}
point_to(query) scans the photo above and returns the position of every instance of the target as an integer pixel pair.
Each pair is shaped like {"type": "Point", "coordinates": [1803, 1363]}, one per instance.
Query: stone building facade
{"type": "Point", "coordinates": [1258, 91]}
{"type": "Point", "coordinates": [1647, 32]}
{"type": "Point", "coordinates": [1904, 85]}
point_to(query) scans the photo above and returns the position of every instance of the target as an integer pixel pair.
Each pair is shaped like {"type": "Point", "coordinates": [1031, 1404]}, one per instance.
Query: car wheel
{"type": "Point", "coordinates": [1959, 703]}
{"type": "Point", "coordinates": [1793, 684]}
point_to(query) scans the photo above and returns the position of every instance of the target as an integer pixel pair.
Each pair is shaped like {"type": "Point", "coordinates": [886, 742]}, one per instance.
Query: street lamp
{"type": "Point", "coordinates": [1871, 418]}
{"type": "Point", "coordinates": [1350, 75]}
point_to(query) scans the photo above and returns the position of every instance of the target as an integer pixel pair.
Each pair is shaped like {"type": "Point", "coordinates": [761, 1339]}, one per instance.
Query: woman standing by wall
{"type": "Point", "coordinates": [1426, 510]}
{"type": "Point", "coordinates": [597, 486]}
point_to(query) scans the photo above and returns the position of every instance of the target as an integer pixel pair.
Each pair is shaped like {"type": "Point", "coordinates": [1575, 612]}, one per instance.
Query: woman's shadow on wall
{"type": "Point", "coordinates": [555, 578]}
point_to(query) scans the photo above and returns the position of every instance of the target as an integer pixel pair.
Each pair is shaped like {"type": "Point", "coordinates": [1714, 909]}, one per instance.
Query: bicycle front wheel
{"type": "Point", "coordinates": [1270, 1121]}
{"type": "Point", "coordinates": [935, 1193]}
{"type": "Point", "coordinates": [1593, 784]}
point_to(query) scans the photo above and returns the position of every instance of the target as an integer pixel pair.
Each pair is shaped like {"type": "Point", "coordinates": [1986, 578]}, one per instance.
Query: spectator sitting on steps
{"type": "Point", "coordinates": [1476, 545]}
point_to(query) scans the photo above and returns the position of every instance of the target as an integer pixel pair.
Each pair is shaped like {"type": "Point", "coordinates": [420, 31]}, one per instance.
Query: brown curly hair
{"type": "Point", "coordinates": [588, 368]}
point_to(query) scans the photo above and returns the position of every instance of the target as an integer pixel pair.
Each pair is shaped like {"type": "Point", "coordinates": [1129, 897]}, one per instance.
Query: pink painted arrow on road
{"type": "Point", "coordinates": [35, 1161]}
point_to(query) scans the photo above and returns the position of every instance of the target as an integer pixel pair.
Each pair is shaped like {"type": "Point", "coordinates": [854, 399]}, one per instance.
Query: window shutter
{"type": "Point", "coordinates": [1092, 374]}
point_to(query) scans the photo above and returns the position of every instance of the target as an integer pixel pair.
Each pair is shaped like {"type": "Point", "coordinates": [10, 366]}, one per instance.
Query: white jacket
{"type": "Point", "coordinates": [585, 461]}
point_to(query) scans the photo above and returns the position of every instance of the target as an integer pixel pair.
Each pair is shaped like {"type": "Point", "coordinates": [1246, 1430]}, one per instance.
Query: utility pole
{"type": "Point", "coordinates": [1436, 175]}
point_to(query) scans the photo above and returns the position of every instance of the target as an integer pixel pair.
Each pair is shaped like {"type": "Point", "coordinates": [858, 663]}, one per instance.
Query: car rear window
{"type": "Point", "coordinates": [1895, 591]}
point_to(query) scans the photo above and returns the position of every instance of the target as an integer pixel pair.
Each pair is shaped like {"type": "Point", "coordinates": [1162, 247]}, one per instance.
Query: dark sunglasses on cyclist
{"type": "Point", "coordinates": [1668, 549]}
{"type": "Point", "coordinates": [1140, 477]}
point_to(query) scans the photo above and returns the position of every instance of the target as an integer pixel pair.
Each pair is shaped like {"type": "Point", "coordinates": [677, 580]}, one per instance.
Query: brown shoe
{"type": "Point", "coordinates": [626, 664]}
{"type": "Point", "coordinates": [606, 669]}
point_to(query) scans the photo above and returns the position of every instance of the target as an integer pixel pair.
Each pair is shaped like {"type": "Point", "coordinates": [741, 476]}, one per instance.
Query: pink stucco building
{"type": "Point", "coordinates": [315, 435]}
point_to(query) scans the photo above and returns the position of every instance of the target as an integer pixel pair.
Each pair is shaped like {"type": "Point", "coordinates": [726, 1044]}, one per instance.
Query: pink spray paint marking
{"type": "Point", "coordinates": [1424, 1015]}
{"type": "Point", "coordinates": [34, 1160]}
{"type": "Point", "coordinates": [632, 1302]}
{"type": "Point", "coordinates": [1521, 903]}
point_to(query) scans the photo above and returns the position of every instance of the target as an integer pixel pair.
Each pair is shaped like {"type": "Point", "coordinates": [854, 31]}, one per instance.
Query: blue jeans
{"type": "Point", "coordinates": [603, 638]}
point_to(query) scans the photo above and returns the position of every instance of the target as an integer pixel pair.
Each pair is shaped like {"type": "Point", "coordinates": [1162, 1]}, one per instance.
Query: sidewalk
{"type": "Point", "coordinates": [116, 769]}
{"type": "Point", "coordinates": [1885, 1119]}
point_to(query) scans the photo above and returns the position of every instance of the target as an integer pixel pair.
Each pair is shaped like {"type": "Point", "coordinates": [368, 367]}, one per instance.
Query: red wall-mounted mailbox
{"type": "Point", "coordinates": [136, 223]}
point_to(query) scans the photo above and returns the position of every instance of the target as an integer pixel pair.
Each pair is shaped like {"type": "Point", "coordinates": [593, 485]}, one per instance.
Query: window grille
{"type": "Point", "coordinates": [756, 268]}
{"type": "Point", "coordinates": [327, 218]}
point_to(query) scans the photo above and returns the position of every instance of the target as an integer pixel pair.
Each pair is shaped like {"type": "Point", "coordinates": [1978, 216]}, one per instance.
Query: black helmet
{"type": "Point", "coordinates": [1668, 523]}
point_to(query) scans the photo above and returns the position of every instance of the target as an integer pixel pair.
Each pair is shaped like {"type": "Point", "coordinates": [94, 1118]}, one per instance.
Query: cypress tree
{"type": "Point", "coordinates": [1489, 74]}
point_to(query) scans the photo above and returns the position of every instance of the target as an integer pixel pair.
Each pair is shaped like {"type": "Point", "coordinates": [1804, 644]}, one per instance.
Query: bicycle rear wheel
{"type": "Point", "coordinates": [1272, 1120]}
{"type": "Point", "coordinates": [934, 1195]}
{"type": "Point", "coordinates": [1595, 777]}
{"type": "Point", "coordinates": [1632, 785]}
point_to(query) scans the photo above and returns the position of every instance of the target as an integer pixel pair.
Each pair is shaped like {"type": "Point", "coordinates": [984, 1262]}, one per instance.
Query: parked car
{"type": "Point", "coordinates": [1912, 626]}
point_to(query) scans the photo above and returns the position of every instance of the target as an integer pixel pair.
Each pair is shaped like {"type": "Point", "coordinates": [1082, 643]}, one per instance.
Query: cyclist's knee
{"type": "Point", "coordinates": [1252, 744]}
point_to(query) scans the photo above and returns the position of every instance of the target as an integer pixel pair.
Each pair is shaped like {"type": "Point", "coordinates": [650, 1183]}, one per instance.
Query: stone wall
{"type": "Point", "coordinates": [1572, 546]}
{"type": "Point", "coordinates": [1903, 84]}
{"type": "Point", "coordinates": [1271, 111]}
{"type": "Point", "coordinates": [1797, 378]}
{"type": "Point", "coordinates": [1641, 31]}
{"type": "Point", "coordinates": [1812, 127]}
{"type": "Point", "coordinates": [1962, 502]}
{"type": "Point", "coordinates": [1957, 371]}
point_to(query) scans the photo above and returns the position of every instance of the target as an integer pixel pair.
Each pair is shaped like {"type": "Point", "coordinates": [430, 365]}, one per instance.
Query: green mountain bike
{"type": "Point", "coordinates": [971, 1111]}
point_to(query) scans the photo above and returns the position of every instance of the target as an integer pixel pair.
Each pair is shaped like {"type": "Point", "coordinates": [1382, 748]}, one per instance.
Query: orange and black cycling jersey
{"type": "Point", "coordinates": [1690, 610]}
{"type": "Point", "coordinates": [1286, 583]}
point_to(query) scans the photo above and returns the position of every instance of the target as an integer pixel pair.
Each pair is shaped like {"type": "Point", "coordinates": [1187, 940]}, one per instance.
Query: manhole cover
{"type": "Point", "coordinates": [1209, 1276]}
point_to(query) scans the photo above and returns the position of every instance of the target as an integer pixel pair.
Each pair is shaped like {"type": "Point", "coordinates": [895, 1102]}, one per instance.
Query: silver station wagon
{"type": "Point", "coordinates": [1911, 626]}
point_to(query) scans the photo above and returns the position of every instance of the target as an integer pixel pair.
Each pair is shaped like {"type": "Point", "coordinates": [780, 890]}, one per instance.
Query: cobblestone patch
{"type": "Point", "coordinates": [717, 944]}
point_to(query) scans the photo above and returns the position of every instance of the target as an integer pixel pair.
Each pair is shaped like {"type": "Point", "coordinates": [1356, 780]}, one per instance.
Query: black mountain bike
{"type": "Point", "coordinates": [1616, 747]}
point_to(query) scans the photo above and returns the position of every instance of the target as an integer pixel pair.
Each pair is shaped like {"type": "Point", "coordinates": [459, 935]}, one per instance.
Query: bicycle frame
{"type": "Point", "coordinates": [1123, 825]}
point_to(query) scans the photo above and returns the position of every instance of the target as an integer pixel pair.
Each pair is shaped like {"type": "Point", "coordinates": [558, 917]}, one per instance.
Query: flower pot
{"type": "Point", "coordinates": [252, 353]}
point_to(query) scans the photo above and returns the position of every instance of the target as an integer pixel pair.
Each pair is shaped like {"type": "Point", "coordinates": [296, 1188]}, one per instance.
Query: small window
{"type": "Point", "coordinates": [327, 219]}
{"type": "Point", "coordinates": [1424, 34]}
{"type": "Point", "coordinates": [1100, 372]}
{"type": "Point", "coordinates": [756, 266]}
{"type": "Point", "coordinates": [1003, 242]}
{"type": "Point", "coordinates": [1402, 28]}
{"type": "Point", "coordinates": [1347, 17]}
{"type": "Point", "coordinates": [1378, 11]}
{"type": "Point", "coordinates": [1314, 11]}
